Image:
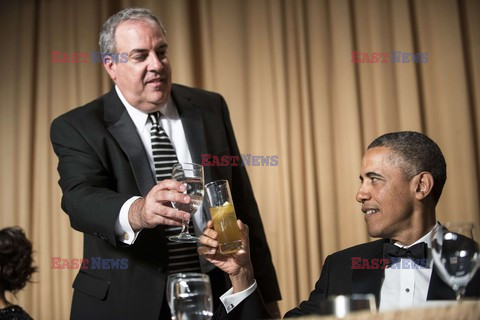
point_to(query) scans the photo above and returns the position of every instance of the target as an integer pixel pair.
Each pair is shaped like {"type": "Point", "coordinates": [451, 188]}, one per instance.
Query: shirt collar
{"type": "Point", "coordinates": [426, 238]}
{"type": "Point", "coordinates": [139, 117]}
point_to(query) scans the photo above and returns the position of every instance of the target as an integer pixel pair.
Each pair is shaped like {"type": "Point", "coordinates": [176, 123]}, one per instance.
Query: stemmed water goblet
{"type": "Point", "coordinates": [192, 175]}
{"type": "Point", "coordinates": [456, 255]}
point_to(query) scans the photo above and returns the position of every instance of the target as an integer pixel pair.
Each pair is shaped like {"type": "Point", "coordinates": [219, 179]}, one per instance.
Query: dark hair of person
{"type": "Point", "coordinates": [416, 153]}
{"type": "Point", "coordinates": [15, 259]}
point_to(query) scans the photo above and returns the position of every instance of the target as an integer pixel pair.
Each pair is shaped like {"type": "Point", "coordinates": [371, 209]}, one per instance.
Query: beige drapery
{"type": "Point", "coordinates": [285, 69]}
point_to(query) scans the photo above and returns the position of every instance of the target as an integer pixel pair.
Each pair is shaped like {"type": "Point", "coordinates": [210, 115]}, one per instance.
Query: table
{"type": "Point", "coordinates": [466, 310]}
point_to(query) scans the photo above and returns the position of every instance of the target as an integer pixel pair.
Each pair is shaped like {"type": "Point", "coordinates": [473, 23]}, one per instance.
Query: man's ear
{"type": "Point", "coordinates": [111, 68]}
{"type": "Point", "coordinates": [424, 185]}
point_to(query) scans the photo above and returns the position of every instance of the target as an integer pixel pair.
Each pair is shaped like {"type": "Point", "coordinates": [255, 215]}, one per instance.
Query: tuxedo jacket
{"type": "Point", "coordinates": [103, 163]}
{"type": "Point", "coordinates": [338, 278]}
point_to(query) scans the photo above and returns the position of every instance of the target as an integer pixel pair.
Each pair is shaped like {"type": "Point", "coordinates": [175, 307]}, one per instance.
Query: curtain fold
{"type": "Point", "coordinates": [295, 96]}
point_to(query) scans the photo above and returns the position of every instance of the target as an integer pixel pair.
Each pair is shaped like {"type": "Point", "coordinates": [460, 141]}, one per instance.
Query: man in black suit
{"type": "Point", "coordinates": [402, 177]}
{"type": "Point", "coordinates": [107, 175]}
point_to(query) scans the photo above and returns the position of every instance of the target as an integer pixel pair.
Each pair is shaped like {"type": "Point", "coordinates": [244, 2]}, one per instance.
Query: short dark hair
{"type": "Point", "coordinates": [15, 259]}
{"type": "Point", "coordinates": [418, 153]}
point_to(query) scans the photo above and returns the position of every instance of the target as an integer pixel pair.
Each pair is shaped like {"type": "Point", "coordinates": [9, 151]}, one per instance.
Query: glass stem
{"type": "Point", "coordinates": [460, 292]}
{"type": "Point", "coordinates": [185, 226]}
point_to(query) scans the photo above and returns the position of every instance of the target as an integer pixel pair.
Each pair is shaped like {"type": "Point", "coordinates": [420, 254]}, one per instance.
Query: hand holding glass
{"type": "Point", "coordinates": [456, 255]}
{"type": "Point", "coordinates": [192, 175]}
{"type": "Point", "coordinates": [223, 215]}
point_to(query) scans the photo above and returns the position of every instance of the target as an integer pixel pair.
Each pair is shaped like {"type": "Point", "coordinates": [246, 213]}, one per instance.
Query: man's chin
{"type": "Point", "coordinates": [374, 233]}
{"type": "Point", "coordinates": [158, 98]}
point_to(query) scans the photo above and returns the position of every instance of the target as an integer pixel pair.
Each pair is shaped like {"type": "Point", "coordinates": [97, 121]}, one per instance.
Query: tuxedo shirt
{"type": "Point", "coordinates": [406, 284]}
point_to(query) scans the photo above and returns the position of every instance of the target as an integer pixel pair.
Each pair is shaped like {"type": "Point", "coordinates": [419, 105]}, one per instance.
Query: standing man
{"type": "Point", "coordinates": [402, 178]}
{"type": "Point", "coordinates": [109, 176]}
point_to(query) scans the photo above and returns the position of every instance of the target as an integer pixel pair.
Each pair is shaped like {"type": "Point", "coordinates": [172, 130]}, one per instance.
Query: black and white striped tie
{"type": "Point", "coordinates": [183, 257]}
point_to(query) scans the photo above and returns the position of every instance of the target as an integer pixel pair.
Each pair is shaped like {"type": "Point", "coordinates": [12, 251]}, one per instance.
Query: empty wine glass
{"type": "Point", "coordinates": [192, 175]}
{"type": "Point", "coordinates": [191, 297]}
{"type": "Point", "coordinates": [456, 255]}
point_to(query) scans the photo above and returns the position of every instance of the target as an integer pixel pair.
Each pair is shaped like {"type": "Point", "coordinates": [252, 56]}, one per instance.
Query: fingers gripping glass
{"type": "Point", "coordinates": [192, 175]}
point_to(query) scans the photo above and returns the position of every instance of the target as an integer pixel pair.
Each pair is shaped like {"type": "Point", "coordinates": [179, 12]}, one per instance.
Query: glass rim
{"type": "Point", "coordinates": [353, 296]}
{"type": "Point", "coordinates": [188, 274]}
{"type": "Point", "coordinates": [217, 183]}
{"type": "Point", "coordinates": [194, 165]}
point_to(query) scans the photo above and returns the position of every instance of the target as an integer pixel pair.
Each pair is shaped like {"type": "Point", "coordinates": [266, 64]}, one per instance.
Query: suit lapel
{"type": "Point", "coordinates": [123, 130]}
{"type": "Point", "coordinates": [370, 280]}
{"type": "Point", "coordinates": [193, 126]}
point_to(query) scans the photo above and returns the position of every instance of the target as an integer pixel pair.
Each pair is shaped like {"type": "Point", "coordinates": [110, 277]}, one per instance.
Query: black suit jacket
{"type": "Point", "coordinates": [102, 163]}
{"type": "Point", "coordinates": [338, 278]}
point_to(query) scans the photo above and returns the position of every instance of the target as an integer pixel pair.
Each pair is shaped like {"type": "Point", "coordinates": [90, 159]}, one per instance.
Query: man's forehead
{"type": "Point", "coordinates": [132, 32]}
{"type": "Point", "coordinates": [379, 157]}
{"type": "Point", "coordinates": [137, 23]}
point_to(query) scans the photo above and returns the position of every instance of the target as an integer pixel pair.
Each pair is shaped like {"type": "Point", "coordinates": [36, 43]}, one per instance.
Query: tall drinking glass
{"type": "Point", "coordinates": [192, 175]}
{"type": "Point", "coordinates": [223, 215]}
{"type": "Point", "coordinates": [170, 288]}
{"type": "Point", "coordinates": [456, 255]}
{"type": "Point", "coordinates": [191, 297]}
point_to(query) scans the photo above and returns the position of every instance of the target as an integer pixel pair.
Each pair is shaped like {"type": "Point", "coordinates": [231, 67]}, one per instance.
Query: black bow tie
{"type": "Point", "coordinates": [417, 252]}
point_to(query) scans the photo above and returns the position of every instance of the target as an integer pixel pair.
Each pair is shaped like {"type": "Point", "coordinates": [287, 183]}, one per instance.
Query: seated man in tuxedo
{"type": "Point", "coordinates": [402, 177]}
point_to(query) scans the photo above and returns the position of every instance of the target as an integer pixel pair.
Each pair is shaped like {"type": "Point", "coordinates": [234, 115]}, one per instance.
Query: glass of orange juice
{"type": "Point", "coordinates": [223, 215]}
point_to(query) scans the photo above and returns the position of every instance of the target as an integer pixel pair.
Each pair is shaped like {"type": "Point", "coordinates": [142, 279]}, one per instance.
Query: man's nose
{"type": "Point", "coordinates": [362, 194]}
{"type": "Point", "coordinates": [154, 64]}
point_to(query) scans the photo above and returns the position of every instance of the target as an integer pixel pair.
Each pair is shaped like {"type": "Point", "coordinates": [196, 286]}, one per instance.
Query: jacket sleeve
{"type": "Point", "coordinates": [253, 307]}
{"type": "Point", "coordinates": [312, 305]}
{"type": "Point", "coordinates": [88, 197]}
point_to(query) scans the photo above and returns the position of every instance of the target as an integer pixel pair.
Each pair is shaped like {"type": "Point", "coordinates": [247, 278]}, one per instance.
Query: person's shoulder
{"type": "Point", "coordinates": [191, 92]}
{"type": "Point", "coordinates": [367, 248]}
{"type": "Point", "coordinates": [14, 312]}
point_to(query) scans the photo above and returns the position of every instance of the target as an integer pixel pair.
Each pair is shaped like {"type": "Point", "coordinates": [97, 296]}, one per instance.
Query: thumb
{"type": "Point", "coordinates": [244, 231]}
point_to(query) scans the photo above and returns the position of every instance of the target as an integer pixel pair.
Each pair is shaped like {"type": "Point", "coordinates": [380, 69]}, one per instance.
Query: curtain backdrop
{"type": "Point", "coordinates": [286, 71]}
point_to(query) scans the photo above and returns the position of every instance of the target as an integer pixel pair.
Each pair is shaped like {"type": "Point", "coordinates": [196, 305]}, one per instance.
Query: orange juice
{"type": "Point", "coordinates": [225, 223]}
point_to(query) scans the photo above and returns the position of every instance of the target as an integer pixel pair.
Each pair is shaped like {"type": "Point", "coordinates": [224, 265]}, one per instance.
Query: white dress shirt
{"type": "Point", "coordinates": [230, 300]}
{"type": "Point", "coordinates": [405, 284]}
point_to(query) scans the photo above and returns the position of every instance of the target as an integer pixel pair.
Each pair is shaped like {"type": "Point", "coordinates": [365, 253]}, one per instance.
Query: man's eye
{"type": "Point", "coordinates": [162, 54]}
{"type": "Point", "coordinates": [139, 58]}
